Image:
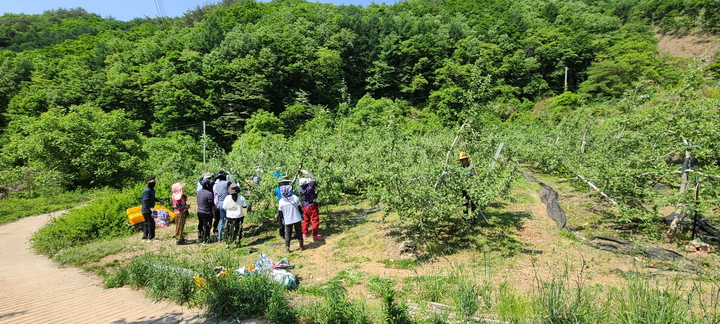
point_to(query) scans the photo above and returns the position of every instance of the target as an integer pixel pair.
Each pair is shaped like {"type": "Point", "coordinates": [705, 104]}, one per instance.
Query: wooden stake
{"type": "Point", "coordinates": [598, 190]}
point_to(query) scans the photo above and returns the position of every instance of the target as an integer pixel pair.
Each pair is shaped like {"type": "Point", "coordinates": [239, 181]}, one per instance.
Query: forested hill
{"type": "Point", "coordinates": [116, 99]}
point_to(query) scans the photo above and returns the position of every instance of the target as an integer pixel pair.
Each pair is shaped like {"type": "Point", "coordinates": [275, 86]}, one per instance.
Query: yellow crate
{"type": "Point", "coordinates": [136, 217]}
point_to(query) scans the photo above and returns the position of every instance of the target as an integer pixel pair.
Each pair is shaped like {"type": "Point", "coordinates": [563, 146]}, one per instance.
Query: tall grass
{"type": "Point", "coordinates": [165, 276]}
{"type": "Point", "coordinates": [172, 277]}
{"type": "Point", "coordinates": [335, 307]}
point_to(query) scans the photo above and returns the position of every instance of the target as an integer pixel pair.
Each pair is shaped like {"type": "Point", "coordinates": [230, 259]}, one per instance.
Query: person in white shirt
{"type": "Point", "coordinates": [233, 204]}
{"type": "Point", "coordinates": [289, 205]}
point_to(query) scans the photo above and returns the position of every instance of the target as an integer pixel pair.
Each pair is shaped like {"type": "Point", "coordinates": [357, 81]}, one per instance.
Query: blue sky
{"type": "Point", "coordinates": [128, 9]}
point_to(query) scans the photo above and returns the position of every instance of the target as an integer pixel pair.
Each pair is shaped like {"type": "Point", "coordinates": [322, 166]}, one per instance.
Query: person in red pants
{"type": "Point", "coordinates": [311, 212]}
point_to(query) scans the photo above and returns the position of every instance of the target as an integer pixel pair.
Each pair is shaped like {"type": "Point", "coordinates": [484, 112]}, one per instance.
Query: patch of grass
{"type": "Point", "coordinates": [349, 241]}
{"type": "Point", "coordinates": [335, 307]}
{"type": "Point", "coordinates": [377, 285]}
{"type": "Point", "coordinates": [568, 235]}
{"type": "Point", "coordinates": [430, 288]}
{"type": "Point", "coordinates": [92, 252]}
{"type": "Point", "coordinates": [164, 275]}
{"type": "Point", "coordinates": [350, 278]}
{"type": "Point", "coordinates": [642, 302]}
{"type": "Point", "coordinates": [361, 259]}
{"type": "Point", "coordinates": [241, 297]}
{"type": "Point", "coordinates": [12, 209]}
{"type": "Point", "coordinates": [407, 264]}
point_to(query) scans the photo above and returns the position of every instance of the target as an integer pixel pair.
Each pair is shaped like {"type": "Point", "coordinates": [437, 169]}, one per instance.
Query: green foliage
{"type": "Point", "coordinates": [334, 307]}
{"type": "Point", "coordinates": [19, 32]}
{"type": "Point", "coordinates": [86, 146]}
{"type": "Point", "coordinates": [165, 277]}
{"type": "Point", "coordinates": [173, 158]}
{"type": "Point", "coordinates": [264, 123]}
{"type": "Point", "coordinates": [378, 286]}
{"type": "Point", "coordinates": [681, 16]}
{"type": "Point", "coordinates": [244, 297]}
{"type": "Point", "coordinates": [394, 313]}
{"type": "Point", "coordinates": [400, 264]}
{"type": "Point", "coordinates": [92, 252]}
{"type": "Point", "coordinates": [104, 217]}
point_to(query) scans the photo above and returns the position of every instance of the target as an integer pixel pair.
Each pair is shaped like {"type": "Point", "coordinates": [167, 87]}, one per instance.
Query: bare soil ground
{"type": "Point", "coordinates": [701, 47]}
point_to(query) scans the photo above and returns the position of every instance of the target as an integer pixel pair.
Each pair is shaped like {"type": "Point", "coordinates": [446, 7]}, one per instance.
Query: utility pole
{"type": "Point", "coordinates": [566, 71]}
{"type": "Point", "coordinates": [204, 141]}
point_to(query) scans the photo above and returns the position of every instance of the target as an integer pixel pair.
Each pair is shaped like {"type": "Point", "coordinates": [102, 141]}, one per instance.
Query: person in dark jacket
{"type": "Point", "coordinates": [205, 203]}
{"type": "Point", "coordinates": [148, 199]}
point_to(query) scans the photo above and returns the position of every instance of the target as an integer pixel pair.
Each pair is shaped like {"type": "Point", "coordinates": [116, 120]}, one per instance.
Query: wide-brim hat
{"type": "Point", "coordinates": [463, 156]}
{"type": "Point", "coordinates": [177, 190]}
{"type": "Point", "coordinates": [233, 189]}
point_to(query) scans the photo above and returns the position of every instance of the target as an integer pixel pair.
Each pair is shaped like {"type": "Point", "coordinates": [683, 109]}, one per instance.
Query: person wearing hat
{"type": "Point", "coordinates": [147, 200]}
{"type": "Point", "coordinates": [464, 159]}
{"type": "Point", "coordinates": [234, 204]}
{"type": "Point", "coordinates": [289, 207]}
{"type": "Point", "coordinates": [179, 202]}
{"type": "Point", "coordinates": [206, 175]}
{"type": "Point", "coordinates": [311, 211]}
{"type": "Point", "coordinates": [282, 181]}
{"type": "Point", "coordinates": [204, 210]}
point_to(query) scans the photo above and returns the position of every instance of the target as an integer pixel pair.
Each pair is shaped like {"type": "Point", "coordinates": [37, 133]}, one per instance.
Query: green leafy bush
{"type": "Point", "coordinates": [104, 217]}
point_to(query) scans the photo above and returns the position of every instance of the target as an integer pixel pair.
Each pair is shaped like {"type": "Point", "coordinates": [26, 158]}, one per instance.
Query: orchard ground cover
{"type": "Point", "coordinates": [518, 252]}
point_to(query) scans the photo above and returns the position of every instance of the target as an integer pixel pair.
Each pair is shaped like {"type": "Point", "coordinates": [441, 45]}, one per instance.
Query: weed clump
{"type": "Point", "coordinates": [102, 218]}
{"type": "Point", "coordinates": [334, 308]}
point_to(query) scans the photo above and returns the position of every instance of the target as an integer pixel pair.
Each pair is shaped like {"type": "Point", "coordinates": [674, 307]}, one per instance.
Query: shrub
{"type": "Point", "coordinates": [104, 217]}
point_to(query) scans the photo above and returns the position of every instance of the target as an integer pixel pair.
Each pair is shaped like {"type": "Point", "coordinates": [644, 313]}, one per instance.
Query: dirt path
{"type": "Point", "coordinates": [33, 289]}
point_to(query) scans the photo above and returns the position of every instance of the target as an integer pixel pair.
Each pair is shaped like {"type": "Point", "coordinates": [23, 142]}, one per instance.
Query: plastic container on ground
{"type": "Point", "coordinates": [136, 217]}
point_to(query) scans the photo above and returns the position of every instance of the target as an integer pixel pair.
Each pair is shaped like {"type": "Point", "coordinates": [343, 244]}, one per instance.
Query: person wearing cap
{"type": "Point", "coordinates": [234, 204]}
{"type": "Point", "coordinates": [204, 210]}
{"type": "Point", "coordinates": [147, 200]}
{"type": "Point", "coordinates": [311, 211]}
{"type": "Point", "coordinates": [282, 181]}
{"type": "Point", "coordinates": [181, 206]}
{"type": "Point", "coordinates": [470, 170]}
{"type": "Point", "coordinates": [289, 207]}
{"type": "Point", "coordinates": [206, 175]}
{"type": "Point", "coordinates": [221, 191]}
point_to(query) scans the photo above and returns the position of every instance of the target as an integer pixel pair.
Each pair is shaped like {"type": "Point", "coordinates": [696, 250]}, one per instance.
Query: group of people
{"type": "Point", "coordinates": [296, 215]}
{"type": "Point", "coordinates": [221, 207]}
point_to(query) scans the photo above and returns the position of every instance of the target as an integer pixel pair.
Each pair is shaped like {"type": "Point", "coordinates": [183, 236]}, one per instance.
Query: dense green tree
{"type": "Point", "coordinates": [89, 147]}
